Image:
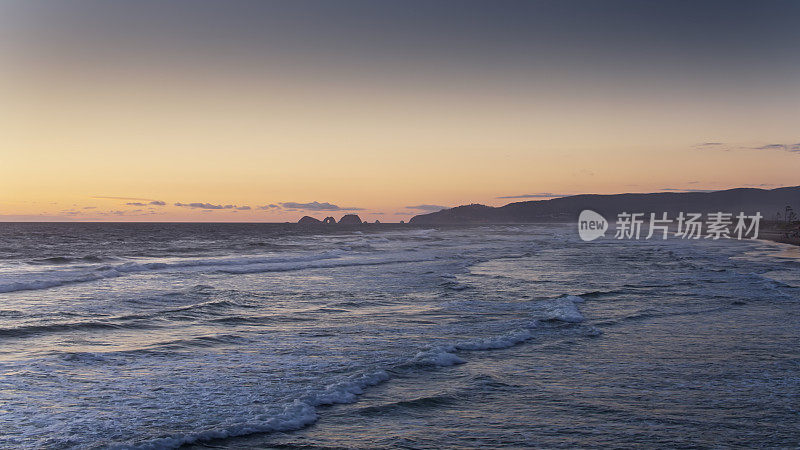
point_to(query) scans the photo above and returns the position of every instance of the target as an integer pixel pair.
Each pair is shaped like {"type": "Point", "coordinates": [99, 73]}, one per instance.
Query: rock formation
{"type": "Point", "coordinates": [350, 219]}
{"type": "Point", "coordinates": [329, 220]}
{"type": "Point", "coordinates": [308, 220]}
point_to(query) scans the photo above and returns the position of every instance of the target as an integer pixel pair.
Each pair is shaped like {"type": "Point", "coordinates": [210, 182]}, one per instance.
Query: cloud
{"type": "Point", "coordinates": [535, 195]}
{"type": "Point", "coordinates": [270, 206]}
{"type": "Point", "coordinates": [205, 206]}
{"type": "Point", "coordinates": [709, 144]}
{"type": "Point", "coordinates": [794, 148]}
{"type": "Point", "coordinates": [91, 211]}
{"type": "Point", "coordinates": [117, 213]}
{"type": "Point", "coordinates": [317, 206]}
{"type": "Point", "coordinates": [424, 207]}
{"type": "Point", "coordinates": [210, 206]}
{"type": "Point", "coordinates": [134, 201]}
{"type": "Point", "coordinates": [154, 202]}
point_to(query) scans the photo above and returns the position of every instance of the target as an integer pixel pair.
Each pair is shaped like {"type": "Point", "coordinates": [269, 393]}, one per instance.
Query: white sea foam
{"type": "Point", "coordinates": [574, 298]}
{"type": "Point", "coordinates": [507, 340]}
{"type": "Point", "coordinates": [445, 355]}
{"type": "Point", "coordinates": [50, 280]}
{"type": "Point", "coordinates": [321, 264]}
{"type": "Point", "coordinates": [294, 416]}
{"type": "Point", "coordinates": [36, 280]}
{"type": "Point", "coordinates": [437, 356]}
{"type": "Point", "coordinates": [563, 309]}
{"type": "Point", "coordinates": [346, 391]}
{"type": "Point", "coordinates": [302, 412]}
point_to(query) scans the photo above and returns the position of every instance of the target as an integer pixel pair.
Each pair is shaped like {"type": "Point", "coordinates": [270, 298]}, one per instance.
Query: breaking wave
{"type": "Point", "coordinates": [302, 411]}
{"type": "Point", "coordinates": [37, 280]}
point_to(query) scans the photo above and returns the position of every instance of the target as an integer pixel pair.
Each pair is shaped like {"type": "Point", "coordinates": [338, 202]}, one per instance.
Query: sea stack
{"type": "Point", "coordinates": [350, 219]}
{"type": "Point", "coordinates": [329, 220]}
{"type": "Point", "coordinates": [308, 220]}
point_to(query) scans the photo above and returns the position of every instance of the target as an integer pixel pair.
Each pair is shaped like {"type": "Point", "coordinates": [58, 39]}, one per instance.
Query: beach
{"type": "Point", "coordinates": [783, 235]}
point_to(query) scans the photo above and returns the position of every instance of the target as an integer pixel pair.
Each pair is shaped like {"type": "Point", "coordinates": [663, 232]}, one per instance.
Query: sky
{"type": "Point", "coordinates": [194, 110]}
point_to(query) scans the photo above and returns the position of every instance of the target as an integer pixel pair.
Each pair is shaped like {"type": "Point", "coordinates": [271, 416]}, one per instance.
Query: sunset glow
{"type": "Point", "coordinates": [382, 109]}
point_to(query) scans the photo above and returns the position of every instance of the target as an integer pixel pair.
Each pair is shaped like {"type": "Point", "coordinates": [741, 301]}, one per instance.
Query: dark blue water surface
{"type": "Point", "coordinates": [274, 335]}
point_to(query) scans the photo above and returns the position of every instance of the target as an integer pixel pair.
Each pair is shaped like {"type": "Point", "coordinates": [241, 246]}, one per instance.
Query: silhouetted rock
{"type": "Point", "coordinates": [329, 220]}
{"type": "Point", "coordinates": [308, 220]}
{"type": "Point", "coordinates": [377, 221]}
{"type": "Point", "coordinates": [402, 221]}
{"type": "Point", "coordinates": [350, 219]}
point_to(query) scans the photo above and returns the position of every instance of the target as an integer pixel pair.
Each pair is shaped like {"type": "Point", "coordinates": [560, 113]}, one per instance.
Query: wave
{"type": "Point", "coordinates": [244, 320]}
{"type": "Point", "coordinates": [157, 349]}
{"type": "Point", "coordinates": [437, 356]}
{"type": "Point", "coordinates": [344, 262]}
{"type": "Point", "coordinates": [563, 309]}
{"type": "Point", "coordinates": [57, 260]}
{"type": "Point", "coordinates": [27, 330]}
{"type": "Point", "coordinates": [217, 309]}
{"type": "Point", "coordinates": [445, 355]}
{"type": "Point", "coordinates": [239, 265]}
{"type": "Point", "coordinates": [38, 284]}
{"type": "Point", "coordinates": [597, 294]}
{"type": "Point", "coordinates": [302, 411]}
{"type": "Point", "coordinates": [127, 321]}
{"type": "Point", "coordinates": [455, 285]}
{"type": "Point", "coordinates": [296, 415]}
{"type": "Point", "coordinates": [507, 340]}
{"type": "Point", "coordinates": [432, 401]}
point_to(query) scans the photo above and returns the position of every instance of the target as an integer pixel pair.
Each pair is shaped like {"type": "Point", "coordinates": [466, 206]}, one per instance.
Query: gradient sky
{"type": "Point", "coordinates": [266, 111]}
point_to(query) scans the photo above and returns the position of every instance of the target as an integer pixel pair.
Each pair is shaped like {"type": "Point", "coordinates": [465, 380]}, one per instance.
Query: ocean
{"type": "Point", "coordinates": [387, 336]}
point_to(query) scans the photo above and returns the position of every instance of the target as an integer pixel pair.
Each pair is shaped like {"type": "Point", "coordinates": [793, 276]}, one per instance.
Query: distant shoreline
{"type": "Point", "coordinates": [779, 236]}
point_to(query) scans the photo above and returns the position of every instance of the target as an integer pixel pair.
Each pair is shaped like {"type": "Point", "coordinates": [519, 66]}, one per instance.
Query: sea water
{"type": "Point", "coordinates": [275, 335]}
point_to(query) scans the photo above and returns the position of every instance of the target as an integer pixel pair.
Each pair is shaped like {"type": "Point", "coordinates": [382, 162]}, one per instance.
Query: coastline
{"type": "Point", "coordinates": [780, 236]}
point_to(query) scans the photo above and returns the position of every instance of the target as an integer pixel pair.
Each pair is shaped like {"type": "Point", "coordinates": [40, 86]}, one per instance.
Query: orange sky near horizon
{"type": "Point", "coordinates": [80, 126]}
